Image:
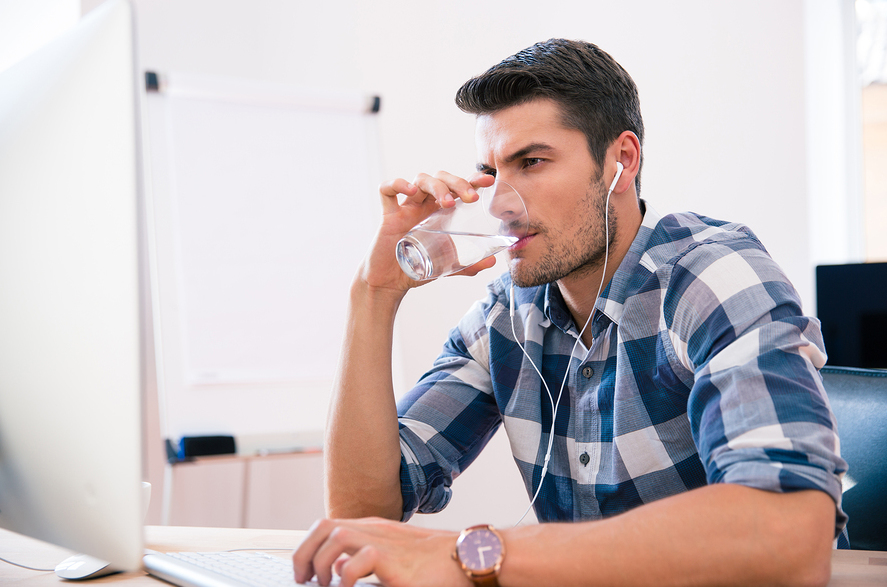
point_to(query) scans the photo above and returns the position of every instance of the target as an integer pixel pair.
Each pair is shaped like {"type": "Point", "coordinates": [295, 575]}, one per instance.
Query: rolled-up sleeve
{"type": "Point", "coordinates": [448, 417]}
{"type": "Point", "coordinates": [758, 411]}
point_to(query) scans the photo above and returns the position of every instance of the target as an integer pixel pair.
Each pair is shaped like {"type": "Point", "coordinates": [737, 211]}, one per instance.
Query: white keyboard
{"type": "Point", "coordinates": [225, 569]}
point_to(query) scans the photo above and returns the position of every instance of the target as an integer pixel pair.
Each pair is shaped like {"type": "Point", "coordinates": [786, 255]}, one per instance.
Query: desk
{"type": "Point", "coordinates": [850, 568]}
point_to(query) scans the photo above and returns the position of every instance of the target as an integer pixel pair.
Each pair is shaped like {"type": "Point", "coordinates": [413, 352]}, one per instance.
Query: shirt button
{"type": "Point", "coordinates": [584, 458]}
{"type": "Point", "coordinates": [587, 372]}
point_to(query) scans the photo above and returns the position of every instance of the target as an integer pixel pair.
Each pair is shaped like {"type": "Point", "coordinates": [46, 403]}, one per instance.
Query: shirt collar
{"type": "Point", "coordinates": [612, 300]}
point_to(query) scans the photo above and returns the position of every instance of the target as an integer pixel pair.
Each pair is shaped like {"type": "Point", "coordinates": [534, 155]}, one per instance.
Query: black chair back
{"type": "Point", "coordinates": [859, 400]}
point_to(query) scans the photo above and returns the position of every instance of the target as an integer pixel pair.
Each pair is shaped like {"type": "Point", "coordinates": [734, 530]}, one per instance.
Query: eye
{"type": "Point", "coordinates": [532, 161]}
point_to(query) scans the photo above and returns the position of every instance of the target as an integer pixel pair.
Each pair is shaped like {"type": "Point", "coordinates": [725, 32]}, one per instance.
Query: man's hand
{"type": "Point", "coordinates": [362, 444]}
{"type": "Point", "coordinates": [398, 554]}
{"type": "Point", "coordinates": [404, 205]}
{"type": "Point", "coordinates": [721, 534]}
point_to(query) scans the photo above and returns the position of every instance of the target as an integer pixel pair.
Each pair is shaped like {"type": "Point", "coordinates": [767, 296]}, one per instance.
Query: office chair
{"type": "Point", "coordinates": [859, 401]}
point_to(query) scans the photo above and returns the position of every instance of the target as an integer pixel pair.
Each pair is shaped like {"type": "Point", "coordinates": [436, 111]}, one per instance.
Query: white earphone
{"type": "Point", "coordinates": [619, 169]}
{"type": "Point", "coordinates": [554, 403]}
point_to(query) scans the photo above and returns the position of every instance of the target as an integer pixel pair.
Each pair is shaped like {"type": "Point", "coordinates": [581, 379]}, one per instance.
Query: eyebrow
{"type": "Point", "coordinates": [519, 154]}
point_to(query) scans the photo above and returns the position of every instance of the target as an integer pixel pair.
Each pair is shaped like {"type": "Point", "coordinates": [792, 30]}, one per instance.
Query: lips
{"type": "Point", "coordinates": [520, 244]}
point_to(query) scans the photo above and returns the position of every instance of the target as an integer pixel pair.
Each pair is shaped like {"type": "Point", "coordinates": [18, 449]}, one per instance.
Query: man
{"type": "Point", "coordinates": [692, 441]}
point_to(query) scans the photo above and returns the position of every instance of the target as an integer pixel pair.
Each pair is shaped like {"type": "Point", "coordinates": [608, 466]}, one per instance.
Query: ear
{"type": "Point", "coordinates": [626, 149]}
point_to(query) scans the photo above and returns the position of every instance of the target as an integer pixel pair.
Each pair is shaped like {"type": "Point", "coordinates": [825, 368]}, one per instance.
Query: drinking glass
{"type": "Point", "coordinates": [454, 238]}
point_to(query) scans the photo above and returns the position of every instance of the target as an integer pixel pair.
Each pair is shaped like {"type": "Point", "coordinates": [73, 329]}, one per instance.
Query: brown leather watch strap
{"type": "Point", "coordinates": [488, 581]}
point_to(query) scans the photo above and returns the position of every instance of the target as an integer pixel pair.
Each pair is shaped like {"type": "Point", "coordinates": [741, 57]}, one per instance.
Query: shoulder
{"type": "Point", "coordinates": [729, 261]}
{"type": "Point", "coordinates": [696, 255]}
{"type": "Point", "coordinates": [719, 284]}
{"type": "Point", "coordinates": [688, 237]}
{"type": "Point", "coordinates": [680, 246]}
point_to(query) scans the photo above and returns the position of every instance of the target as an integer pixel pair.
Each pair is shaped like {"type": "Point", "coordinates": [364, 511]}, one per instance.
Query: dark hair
{"type": "Point", "coordinates": [596, 95]}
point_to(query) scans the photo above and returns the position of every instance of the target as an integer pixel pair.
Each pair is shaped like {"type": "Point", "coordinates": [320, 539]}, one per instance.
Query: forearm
{"type": "Point", "coordinates": [716, 535]}
{"type": "Point", "coordinates": [362, 447]}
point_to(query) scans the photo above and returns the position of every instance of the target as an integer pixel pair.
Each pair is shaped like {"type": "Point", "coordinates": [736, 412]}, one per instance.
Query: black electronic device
{"type": "Point", "coordinates": [851, 303]}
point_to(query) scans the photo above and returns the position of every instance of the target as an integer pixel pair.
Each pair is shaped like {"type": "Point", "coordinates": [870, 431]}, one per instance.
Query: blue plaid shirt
{"type": "Point", "coordinates": [703, 370]}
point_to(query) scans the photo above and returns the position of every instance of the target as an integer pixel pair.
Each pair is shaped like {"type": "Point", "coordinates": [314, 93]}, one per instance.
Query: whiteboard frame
{"type": "Point", "coordinates": [275, 412]}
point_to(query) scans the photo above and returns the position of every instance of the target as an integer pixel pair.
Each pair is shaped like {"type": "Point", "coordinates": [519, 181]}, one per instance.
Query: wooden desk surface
{"type": "Point", "coordinates": [850, 568]}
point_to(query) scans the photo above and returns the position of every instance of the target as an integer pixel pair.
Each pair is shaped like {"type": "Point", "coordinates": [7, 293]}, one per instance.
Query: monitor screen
{"type": "Point", "coordinates": [851, 303]}
{"type": "Point", "coordinates": [72, 302]}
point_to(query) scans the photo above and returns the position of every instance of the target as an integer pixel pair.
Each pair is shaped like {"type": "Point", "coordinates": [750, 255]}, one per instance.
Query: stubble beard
{"type": "Point", "coordinates": [576, 256]}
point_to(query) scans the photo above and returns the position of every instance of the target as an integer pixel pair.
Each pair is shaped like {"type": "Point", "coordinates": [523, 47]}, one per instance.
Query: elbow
{"type": "Point", "coordinates": [357, 504]}
{"type": "Point", "coordinates": [817, 571]}
{"type": "Point", "coordinates": [353, 511]}
{"type": "Point", "coordinates": [350, 492]}
{"type": "Point", "coordinates": [804, 542]}
{"type": "Point", "coordinates": [796, 563]}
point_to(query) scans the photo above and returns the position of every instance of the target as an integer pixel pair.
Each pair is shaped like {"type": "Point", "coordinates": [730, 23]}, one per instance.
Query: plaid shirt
{"type": "Point", "coordinates": [703, 370]}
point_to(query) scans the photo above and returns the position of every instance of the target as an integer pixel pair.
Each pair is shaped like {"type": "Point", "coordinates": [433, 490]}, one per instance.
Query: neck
{"type": "Point", "coordinates": [580, 288]}
{"type": "Point", "coordinates": [580, 295]}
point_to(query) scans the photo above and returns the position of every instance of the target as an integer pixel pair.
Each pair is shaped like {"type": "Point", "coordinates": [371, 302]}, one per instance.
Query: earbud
{"type": "Point", "coordinates": [619, 168]}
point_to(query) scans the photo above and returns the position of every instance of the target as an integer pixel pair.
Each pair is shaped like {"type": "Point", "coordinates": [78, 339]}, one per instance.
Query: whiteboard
{"type": "Point", "coordinates": [264, 202]}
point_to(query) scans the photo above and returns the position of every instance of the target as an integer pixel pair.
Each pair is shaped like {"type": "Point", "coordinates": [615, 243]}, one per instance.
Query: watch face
{"type": "Point", "coordinates": [480, 550]}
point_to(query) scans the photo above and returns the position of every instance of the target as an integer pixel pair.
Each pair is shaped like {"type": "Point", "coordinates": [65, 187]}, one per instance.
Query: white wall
{"type": "Point", "coordinates": [25, 25]}
{"type": "Point", "coordinates": [834, 133]}
{"type": "Point", "coordinates": [724, 92]}
{"type": "Point", "coordinates": [723, 87]}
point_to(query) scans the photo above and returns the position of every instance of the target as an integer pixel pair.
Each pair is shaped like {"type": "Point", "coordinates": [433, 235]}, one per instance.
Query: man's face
{"type": "Point", "coordinates": [529, 147]}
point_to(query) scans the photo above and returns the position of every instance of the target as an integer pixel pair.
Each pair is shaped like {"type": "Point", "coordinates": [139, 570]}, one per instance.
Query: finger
{"type": "Point", "coordinates": [389, 191]}
{"type": "Point", "coordinates": [340, 562]}
{"type": "Point", "coordinates": [481, 179]}
{"type": "Point", "coordinates": [358, 566]}
{"type": "Point", "coordinates": [430, 186]}
{"type": "Point", "coordinates": [472, 270]}
{"type": "Point", "coordinates": [342, 540]}
{"type": "Point", "coordinates": [304, 553]}
{"type": "Point", "coordinates": [458, 187]}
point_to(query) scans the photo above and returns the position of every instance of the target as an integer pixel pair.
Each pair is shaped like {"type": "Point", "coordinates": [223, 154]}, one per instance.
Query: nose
{"type": "Point", "coordinates": [504, 203]}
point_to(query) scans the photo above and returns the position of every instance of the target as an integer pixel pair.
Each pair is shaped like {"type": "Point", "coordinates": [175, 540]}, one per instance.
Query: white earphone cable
{"type": "Point", "coordinates": [556, 403]}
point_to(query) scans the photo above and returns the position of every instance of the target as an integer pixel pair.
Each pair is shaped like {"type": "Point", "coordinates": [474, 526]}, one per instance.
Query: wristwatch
{"type": "Point", "coordinates": [480, 551]}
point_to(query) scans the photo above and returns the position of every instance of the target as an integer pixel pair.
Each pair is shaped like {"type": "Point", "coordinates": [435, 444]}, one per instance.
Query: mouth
{"type": "Point", "coordinates": [522, 243]}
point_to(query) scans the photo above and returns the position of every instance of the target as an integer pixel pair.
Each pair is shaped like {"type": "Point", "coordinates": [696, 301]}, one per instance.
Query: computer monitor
{"type": "Point", "coordinates": [851, 303]}
{"type": "Point", "coordinates": [73, 318]}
